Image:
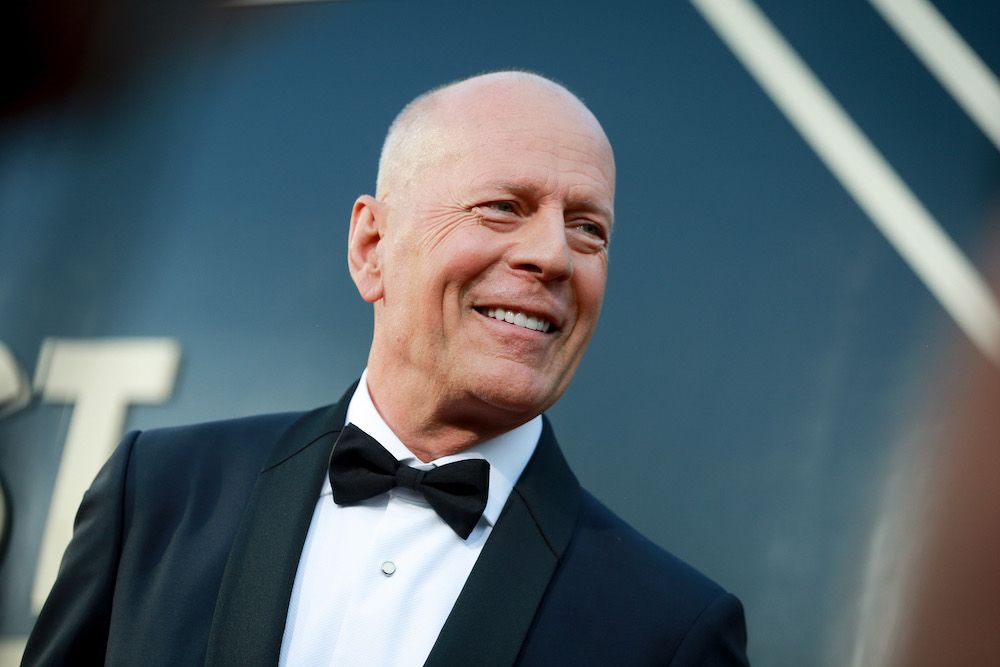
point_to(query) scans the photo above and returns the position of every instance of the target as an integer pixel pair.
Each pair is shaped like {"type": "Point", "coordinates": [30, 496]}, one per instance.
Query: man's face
{"type": "Point", "coordinates": [494, 257]}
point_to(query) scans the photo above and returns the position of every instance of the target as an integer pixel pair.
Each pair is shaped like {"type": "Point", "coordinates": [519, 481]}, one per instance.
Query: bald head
{"type": "Point", "coordinates": [417, 137]}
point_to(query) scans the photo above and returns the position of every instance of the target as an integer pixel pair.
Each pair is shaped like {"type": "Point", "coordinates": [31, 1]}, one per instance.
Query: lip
{"type": "Point", "coordinates": [554, 323]}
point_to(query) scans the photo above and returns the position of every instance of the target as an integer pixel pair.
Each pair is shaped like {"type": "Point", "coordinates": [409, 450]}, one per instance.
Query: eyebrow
{"type": "Point", "coordinates": [529, 191]}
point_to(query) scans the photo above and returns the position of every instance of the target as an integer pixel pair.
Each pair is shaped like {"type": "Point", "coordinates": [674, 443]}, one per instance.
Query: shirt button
{"type": "Point", "coordinates": [388, 568]}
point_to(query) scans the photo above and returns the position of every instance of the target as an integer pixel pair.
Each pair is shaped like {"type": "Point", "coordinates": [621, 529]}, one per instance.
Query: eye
{"type": "Point", "coordinates": [592, 229]}
{"type": "Point", "coordinates": [503, 206]}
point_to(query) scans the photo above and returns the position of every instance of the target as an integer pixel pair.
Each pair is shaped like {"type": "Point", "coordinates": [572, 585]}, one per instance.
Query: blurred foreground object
{"type": "Point", "coordinates": [952, 613]}
{"type": "Point", "coordinates": [56, 49]}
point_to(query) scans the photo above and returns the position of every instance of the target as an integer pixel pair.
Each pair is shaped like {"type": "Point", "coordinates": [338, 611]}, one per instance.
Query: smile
{"type": "Point", "coordinates": [517, 318]}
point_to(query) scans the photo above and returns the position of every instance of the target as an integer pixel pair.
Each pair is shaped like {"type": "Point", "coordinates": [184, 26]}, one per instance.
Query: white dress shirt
{"type": "Point", "coordinates": [377, 579]}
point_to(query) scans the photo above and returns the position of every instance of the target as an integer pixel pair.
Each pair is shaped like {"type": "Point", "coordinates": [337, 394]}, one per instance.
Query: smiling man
{"type": "Point", "coordinates": [429, 516]}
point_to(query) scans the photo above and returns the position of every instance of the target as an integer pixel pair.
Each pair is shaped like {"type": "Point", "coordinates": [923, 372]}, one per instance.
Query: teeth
{"type": "Point", "coordinates": [519, 319]}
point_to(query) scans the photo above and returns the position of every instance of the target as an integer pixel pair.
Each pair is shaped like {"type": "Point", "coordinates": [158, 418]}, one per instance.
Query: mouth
{"type": "Point", "coordinates": [518, 319]}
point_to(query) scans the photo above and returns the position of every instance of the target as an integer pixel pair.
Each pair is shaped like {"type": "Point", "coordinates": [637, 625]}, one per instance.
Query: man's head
{"type": "Point", "coordinates": [494, 200]}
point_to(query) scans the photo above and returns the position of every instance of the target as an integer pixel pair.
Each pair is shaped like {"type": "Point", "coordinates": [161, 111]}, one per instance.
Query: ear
{"type": "Point", "coordinates": [363, 257]}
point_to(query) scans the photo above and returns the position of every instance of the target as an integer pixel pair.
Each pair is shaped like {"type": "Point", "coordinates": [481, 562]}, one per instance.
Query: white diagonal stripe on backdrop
{"type": "Point", "coordinates": [859, 167]}
{"type": "Point", "coordinates": [949, 58]}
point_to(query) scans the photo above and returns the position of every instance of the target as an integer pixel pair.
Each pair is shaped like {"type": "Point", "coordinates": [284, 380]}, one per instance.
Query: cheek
{"type": "Point", "coordinates": [590, 283]}
{"type": "Point", "coordinates": [466, 256]}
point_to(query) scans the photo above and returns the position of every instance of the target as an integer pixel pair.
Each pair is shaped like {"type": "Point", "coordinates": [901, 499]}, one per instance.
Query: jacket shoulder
{"type": "Point", "coordinates": [645, 564]}
{"type": "Point", "coordinates": [616, 593]}
{"type": "Point", "coordinates": [241, 432]}
{"type": "Point", "coordinates": [200, 465]}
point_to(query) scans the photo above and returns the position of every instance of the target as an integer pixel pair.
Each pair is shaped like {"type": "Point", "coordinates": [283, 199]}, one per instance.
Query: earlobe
{"type": "Point", "coordinates": [363, 259]}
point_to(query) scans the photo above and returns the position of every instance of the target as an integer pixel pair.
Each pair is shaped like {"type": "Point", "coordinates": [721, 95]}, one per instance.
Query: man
{"type": "Point", "coordinates": [485, 255]}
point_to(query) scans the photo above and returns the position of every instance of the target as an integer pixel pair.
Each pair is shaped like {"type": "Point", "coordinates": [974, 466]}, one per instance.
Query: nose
{"type": "Point", "coordinates": [542, 248]}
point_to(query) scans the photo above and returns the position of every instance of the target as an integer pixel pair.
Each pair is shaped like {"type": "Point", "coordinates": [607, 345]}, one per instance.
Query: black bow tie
{"type": "Point", "coordinates": [361, 468]}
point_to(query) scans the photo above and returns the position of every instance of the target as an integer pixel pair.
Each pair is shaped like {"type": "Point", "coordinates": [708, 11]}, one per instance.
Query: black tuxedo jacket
{"type": "Point", "coordinates": [185, 550]}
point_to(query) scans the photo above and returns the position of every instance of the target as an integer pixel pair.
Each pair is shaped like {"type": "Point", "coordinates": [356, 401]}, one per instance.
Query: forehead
{"type": "Point", "coordinates": [522, 139]}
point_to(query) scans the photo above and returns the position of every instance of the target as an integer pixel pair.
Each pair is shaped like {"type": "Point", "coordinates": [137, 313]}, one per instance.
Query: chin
{"type": "Point", "coordinates": [523, 395]}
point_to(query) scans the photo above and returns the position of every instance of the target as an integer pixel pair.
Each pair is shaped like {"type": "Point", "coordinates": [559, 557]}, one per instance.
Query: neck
{"type": "Point", "coordinates": [433, 425]}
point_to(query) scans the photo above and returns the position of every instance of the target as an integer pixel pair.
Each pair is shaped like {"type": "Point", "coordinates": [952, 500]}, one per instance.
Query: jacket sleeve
{"type": "Point", "coordinates": [717, 638]}
{"type": "Point", "coordinates": [72, 627]}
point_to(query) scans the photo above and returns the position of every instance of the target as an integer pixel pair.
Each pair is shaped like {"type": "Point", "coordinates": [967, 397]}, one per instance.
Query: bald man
{"type": "Point", "coordinates": [428, 517]}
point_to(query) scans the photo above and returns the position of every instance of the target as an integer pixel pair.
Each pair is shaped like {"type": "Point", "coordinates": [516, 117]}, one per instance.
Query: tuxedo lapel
{"type": "Point", "coordinates": [250, 610]}
{"type": "Point", "coordinates": [495, 610]}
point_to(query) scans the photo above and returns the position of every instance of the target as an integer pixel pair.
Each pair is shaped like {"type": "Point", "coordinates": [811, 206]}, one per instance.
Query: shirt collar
{"type": "Point", "coordinates": [507, 453]}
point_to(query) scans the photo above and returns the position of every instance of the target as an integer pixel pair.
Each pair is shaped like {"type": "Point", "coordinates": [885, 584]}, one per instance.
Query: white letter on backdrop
{"type": "Point", "coordinates": [101, 378]}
